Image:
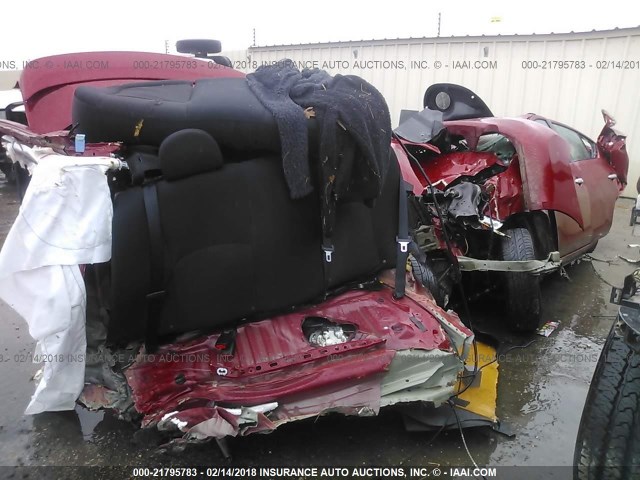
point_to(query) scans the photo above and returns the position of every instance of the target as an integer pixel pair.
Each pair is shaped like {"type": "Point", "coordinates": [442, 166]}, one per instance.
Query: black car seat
{"type": "Point", "coordinates": [234, 244]}
{"type": "Point", "coordinates": [207, 235]}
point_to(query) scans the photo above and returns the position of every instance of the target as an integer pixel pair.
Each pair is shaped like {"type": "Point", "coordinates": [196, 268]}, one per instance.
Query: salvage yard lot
{"type": "Point", "coordinates": [541, 393]}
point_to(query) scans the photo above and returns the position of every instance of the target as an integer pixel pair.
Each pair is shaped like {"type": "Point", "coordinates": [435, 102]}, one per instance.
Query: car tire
{"type": "Point", "coordinates": [523, 305]}
{"type": "Point", "coordinates": [427, 278]}
{"type": "Point", "coordinates": [608, 442]}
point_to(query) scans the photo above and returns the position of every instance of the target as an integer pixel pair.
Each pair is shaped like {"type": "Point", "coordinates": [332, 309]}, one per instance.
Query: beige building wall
{"type": "Point", "coordinates": [9, 79]}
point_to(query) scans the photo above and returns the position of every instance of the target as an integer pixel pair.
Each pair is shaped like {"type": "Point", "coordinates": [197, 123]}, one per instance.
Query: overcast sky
{"type": "Point", "coordinates": [31, 29]}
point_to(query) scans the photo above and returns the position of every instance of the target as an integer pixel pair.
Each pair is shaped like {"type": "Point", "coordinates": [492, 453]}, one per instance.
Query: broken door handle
{"type": "Point", "coordinates": [579, 181]}
{"type": "Point", "coordinates": [612, 176]}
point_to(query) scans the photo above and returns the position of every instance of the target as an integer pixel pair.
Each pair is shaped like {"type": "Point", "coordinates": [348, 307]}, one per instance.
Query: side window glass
{"type": "Point", "coordinates": [591, 146]}
{"type": "Point", "coordinates": [541, 122]}
{"type": "Point", "coordinates": [577, 147]}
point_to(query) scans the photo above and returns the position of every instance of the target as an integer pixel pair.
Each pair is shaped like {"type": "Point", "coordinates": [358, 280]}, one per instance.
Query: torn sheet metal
{"type": "Point", "coordinates": [475, 405]}
{"type": "Point", "coordinates": [64, 222]}
{"type": "Point", "coordinates": [456, 332]}
{"type": "Point", "coordinates": [197, 391]}
{"type": "Point", "coordinates": [420, 376]}
{"type": "Point", "coordinates": [202, 423]}
{"type": "Point", "coordinates": [446, 168]}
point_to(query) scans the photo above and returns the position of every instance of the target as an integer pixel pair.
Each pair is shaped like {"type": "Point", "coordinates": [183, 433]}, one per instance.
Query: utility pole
{"type": "Point", "coordinates": [166, 46]}
{"type": "Point", "coordinates": [254, 37]}
{"type": "Point", "coordinates": [439, 20]}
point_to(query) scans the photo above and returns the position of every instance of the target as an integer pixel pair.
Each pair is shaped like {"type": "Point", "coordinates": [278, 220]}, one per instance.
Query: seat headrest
{"type": "Point", "coordinates": [189, 152]}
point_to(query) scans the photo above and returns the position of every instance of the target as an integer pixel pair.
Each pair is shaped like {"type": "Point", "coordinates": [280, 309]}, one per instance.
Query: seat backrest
{"type": "Point", "coordinates": [236, 245]}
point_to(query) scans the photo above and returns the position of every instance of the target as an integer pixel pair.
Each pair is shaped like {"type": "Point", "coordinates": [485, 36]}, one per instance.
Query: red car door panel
{"type": "Point", "coordinates": [595, 182]}
{"type": "Point", "coordinates": [571, 238]}
{"type": "Point", "coordinates": [601, 183]}
{"type": "Point", "coordinates": [548, 179]}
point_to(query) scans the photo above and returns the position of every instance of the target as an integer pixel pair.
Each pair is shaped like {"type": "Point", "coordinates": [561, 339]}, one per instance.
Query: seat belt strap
{"type": "Point", "coordinates": [327, 258]}
{"type": "Point", "coordinates": [155, 297]}
{"type": "Point", "coordinates": [402, 239]}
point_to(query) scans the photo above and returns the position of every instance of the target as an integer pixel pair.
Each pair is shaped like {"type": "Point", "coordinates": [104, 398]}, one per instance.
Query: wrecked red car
{"type": "Point", "coordinates": [508, 199]}
{"type": "Point", "coordinates": [206, 285]}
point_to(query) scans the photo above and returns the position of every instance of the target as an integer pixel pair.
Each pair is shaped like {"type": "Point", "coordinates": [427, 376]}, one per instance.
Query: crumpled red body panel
{"type": "Point", "coordinates": [273, 362]}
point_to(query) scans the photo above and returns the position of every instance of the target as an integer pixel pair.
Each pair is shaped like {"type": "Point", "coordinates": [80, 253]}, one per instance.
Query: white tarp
{"type": "Point", "coordinates": [64, 222]}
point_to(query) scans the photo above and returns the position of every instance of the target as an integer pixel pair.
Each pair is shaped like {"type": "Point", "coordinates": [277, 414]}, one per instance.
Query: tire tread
{"type": "Point", "coordinates": [523, 303]}
{"type": "Point", "coordinates": [608, 444]}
